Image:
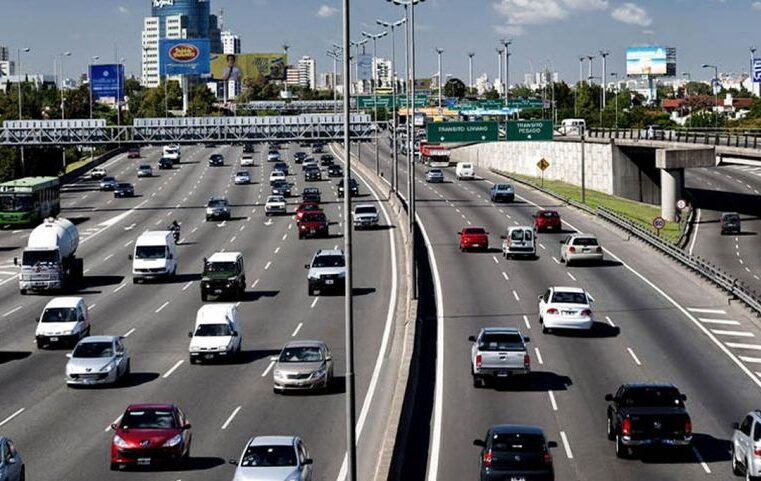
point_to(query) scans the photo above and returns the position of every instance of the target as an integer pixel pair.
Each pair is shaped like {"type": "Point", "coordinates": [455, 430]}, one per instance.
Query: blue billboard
{"type": "Point", "coordinates": [184, 56]}
{"type": "Point", "coordinates": [757, 70]}
{"type": "Point", "coordinates": [107, 81]}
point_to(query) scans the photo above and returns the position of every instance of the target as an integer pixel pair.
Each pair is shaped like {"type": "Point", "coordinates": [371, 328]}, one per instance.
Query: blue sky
{"type": "Point", "coordinates": [553, 32]}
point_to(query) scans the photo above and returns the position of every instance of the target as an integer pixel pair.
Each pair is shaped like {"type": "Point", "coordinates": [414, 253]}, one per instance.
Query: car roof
{"type": "Point", "coordinates": [329, 252]}
{"type": "Point", "coordinates": [272, 441]}
{"type": "Point", "coordinates": [519, 227]}
{"type": "Point", "coordinates": [278, 198]}
{"type": "Point", "coordinates": [224, 257]}
{"type": "Point", "coordinates": [648, 384]}
{"type": "Point", "coordinates": [64, 302]}
{"type": "Point", "coordinates": [516, 429]}
{"type": "Point", "coordinates": [209, 313]}
{"type": "Point", "coordinates": [567, 289]}
{"type": "Point", "coordinates": [586, 236]}
{"type": "Point", "coordinates": [304, 344]}
{"type": "Point", "coordinates": [154, 235]}
{"type": "Point", "coordinates": [504, 330]}
{"type": "Point", "coordinates": [139, 407]}
{"type": "Point", "coordinates": [217, 198]}
{"type": "Point", "coordinates": [359, 206]}
{"type": "Point", "coordinates": [89, 339]}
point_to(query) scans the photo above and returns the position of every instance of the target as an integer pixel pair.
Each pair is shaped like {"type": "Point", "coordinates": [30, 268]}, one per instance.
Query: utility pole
{"type": "Point", "coordinates": [470, 71]}
{"type": "Point", "coordinates": [591, 58]}
{"type": "Point", "coordinates": [604, 54]}
{"type": "Point", "coordinates": [440, 51]}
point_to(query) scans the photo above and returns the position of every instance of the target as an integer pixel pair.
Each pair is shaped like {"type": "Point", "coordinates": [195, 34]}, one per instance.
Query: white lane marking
{"type": "Point", "coordinates": [166, 303]}
{"type": "Point", "coordinates": [130, 332]}
{"type": "Point", "coordinates": [496, 261]}
{"type": "Point", "coordinates": [242, 227]}
{"type": "Point", "coordinates": [515, 294]}
{"type": "Point", "coordinates": [11, 417]}
{"type": "Point", "coordinates": [15, 309]}
{"type": "Point", "coordinates": [116, 421]}
{"type": "Point", "coordinates": [108, 257]}
{"type": "Point", "coordinates": [538, 356]}
{"type": "Point", "coordinates": [528, 324]}
{"type": "Point", "coordinates": [298, 328]}
{"type": "Point", "coordinates": [121, 286]}
{"type": "Point", "coordinates": [552, 400]}
{"type": "Point", "coordinates": [256, 282]}
{"type": "Point", "coordinates": [720, 332]}
{"type": "Point", "coordinates": [92, 306]}
{"type": "Point", "coordinates": [174, 368]}
{"type": "Point", "coordinates": [706, 311]}
{"type": "Point", "coordinates": [566, 445]}
{"type": "Point", "coordinates": [269, 368]}
{"type": "Point", "coordinates": [634, 356]}
{"type": "Point", "coordinates": [277, 250]}
{"type": "Point", "coordinates": [542, 246]}
{"type": "Point", "coordinates": [268, 265]}
{"type": "Point", "coordinates": [290, 226]}
{"type": "Point", "coordinates": [232, 416]}
{"type": "Point", "coordinates": [610, 321]}
{"type": "Point", "coordinates": [233, 239]}
{"type": "Point", "coordinates": [725, 322]}
{"type": "Point", "coordinates": [314, 302]}
{"type": "Point", "coordinates": [738, 345]}
{"type": "Point", "coordinates": [556, 260]}
{"type": "Point", "coordinates": [752, 360]}
{"type": "Point", "coordinates": [185, 287]}
{"type": "Point", "coordinates": [158, 222]}
{"type": "Point", "coordinates": [504, 274]}
{"type": "Point", "coordinates": [700, 460]}
{"type": "Point", "coordinates": [741, 261]}
{"type": "Point", "coordinates": [285, 236]}
{"type": "Point", "coordinates": [128, 243]}
{"type": "Point", "coordinates": [571, 276]}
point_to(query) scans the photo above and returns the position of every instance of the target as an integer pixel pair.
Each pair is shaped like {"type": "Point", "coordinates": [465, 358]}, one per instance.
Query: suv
{"type": "Point", "coordinates": [745, 440]}
{"type": "Point", "coordinates": [513, 452]}
{"type": "Point", "coordinates": [223, 275]}
{"type": "Point", "coordinates": [335, 170]}
{"type": "Point", "coordinates": [365, 216]}
{"type": "Point", "coordinates": [217, 208]}
{"type": "Point", "coordinates": [730, 223]}
{"type": "Point", "coordinates": [312, 174]}
{"type": "Point", "coordinates": [327, 271]}
{"type": "Point", "coordinates": [352, 185]}
{"type": "Point", "coordinates": [326, 160]}
{"type": "Point", "coordinates": [165, 163]}
{"type": "Point", "coordinates": [311, 194]}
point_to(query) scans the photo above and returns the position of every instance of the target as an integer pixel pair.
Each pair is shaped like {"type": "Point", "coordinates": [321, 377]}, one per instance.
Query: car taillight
{"type": "Point", "coordinates": [487, 458]}
{"type": "Point", "coordinates": [688, 427]}
{"type": "Point", "coordinates": [552, 310]}
{"type": "Point", "coordinates": [526, 361]}
{"type": "Point", "coordinates": [586, 312]}
{"type": "Point", "coordinates": [757, 451]}
{"type": "Point", "coordinates": [547, 457]}
{"type": "Point", "coordinates": [626, 427]}
{"type": "Point", "coordinates": [572, 249]}
{"type": "Point", "coordinates": [478, 361]}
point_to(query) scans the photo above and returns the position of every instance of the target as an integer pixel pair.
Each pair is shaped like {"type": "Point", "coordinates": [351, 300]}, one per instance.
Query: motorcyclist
{"type": "Point", "coordinates": [175, 228]}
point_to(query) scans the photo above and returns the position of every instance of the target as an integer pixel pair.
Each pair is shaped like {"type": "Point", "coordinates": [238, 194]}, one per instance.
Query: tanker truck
{"type": "Point", "coordinates": [48, 261]}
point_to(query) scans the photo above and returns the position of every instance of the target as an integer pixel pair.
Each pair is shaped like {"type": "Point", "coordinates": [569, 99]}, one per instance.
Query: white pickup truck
{"type": "Point", "coordinates": [499, 353]}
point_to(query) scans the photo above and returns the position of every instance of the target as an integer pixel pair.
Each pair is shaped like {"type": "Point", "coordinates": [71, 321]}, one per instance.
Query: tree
{"type": "Point", "coordinates": [491, 94]}
{"type": "Point", "coordinates": [698, 88]}
{"type": "Point", "coordinates": [454, 88]}
{"type": "Point", "coordinates": [201, 102]}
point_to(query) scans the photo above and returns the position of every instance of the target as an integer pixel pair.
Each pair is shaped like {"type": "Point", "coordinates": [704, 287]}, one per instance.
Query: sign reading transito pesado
{"type": "Point", "coordinates": [463, 132]}
{"type": "Point", "coordinates": [529, 130]}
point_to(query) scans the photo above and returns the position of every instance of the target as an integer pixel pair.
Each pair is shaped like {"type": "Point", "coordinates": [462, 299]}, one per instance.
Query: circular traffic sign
{"type": "Point", "coordinates": [681, 204]}
{"type": "Point", "coordinates": [659, 223]}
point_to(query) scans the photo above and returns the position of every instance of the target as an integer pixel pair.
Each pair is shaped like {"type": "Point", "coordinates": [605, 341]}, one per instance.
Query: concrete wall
{"type": "Point", "coordinates": [635, 176]}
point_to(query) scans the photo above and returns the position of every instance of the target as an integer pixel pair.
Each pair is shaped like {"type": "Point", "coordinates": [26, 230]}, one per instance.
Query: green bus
{"type": "Point", "coordinates": [29, 200]}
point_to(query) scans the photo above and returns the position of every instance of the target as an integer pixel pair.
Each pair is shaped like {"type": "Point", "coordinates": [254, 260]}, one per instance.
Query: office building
{"type": "Point", "coordinates": [307, 73]}
{"type": "Point", "coordinates": [230, 43]}
{"type": "Point", "coordinates": [4, 53]}
{"type": "Point", "coordinates": [291, 75]}
{"type": "Point", "coordinates": [382, 71]}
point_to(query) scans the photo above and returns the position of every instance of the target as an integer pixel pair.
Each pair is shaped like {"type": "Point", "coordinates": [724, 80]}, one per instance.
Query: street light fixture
{"type": "Point", "coordinates": [499, 69]}
{"type": "Point", "coordinates": [393, 26]}
{"type": "Point", "coordinates": [715, 93]}
{"type": "Point", "coordinates": [20, 95]}
{"type": "Point", "coordinates": [375, 81]}
{"type": "Point", "coordinates": [440, 51]}
{"type": "Point", "coordinates": [356, 45]}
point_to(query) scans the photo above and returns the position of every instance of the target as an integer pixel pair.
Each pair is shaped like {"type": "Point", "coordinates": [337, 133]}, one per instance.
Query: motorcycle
{"type": "Point", "coordinates": [175, 229]}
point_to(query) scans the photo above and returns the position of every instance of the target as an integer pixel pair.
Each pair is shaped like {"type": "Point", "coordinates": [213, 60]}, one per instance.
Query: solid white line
{"type": "Point", "coordinates": [720, 332]}
{"type": "Point", "coordinates": [528, 324]}
{"type": "Point", "coordinates": [15, 309]}
{"type": "Point", "coordinates": [504, 274]}
{"type": "Point", "coordinates": [515, 294]}
{"type": "Point", "coordinates": [753, 360]}
{"type": "Point", "coordinates": [92, 306]}
{"type": "Point", "coordinates": [121, 286]}
{"type": "Point", "coordinates": [166, 303]}
{"type": "Point", "coordinates": [130, 332]}
{"type": "Point", "coordinates": [174, 368]}
{"type": "Point", "coordinates": [538, 355]}
{"type": "Point", "coordinates": [185, 287]}
{"type": "Point", "coordinates": [314, 302]}
{"type": "Point", "coordinates": [634, 356]}
{"type": "Point", "coordinates": [571, 276]}
{"type": "Point", "coordinates": [230, 419]}
{"type": "Point", "coordinates": [269, 368]}
{"type": "Point", "coordinates": [738, 345]}
{"type": "Point", "coordinates": [700, 460]}
{"type": "Point", "coordinates": [298, 328]}
{"type": "Point", "coordinates": [726, 322]}
{"type": "Point", "coordinates": [10, 418]}
{"type": "Point", "coordinates": [706, 311]}
{"type": "Point", "coordinates": [566, 445]}
{"type": "Point", "coordinates": [552, 400]}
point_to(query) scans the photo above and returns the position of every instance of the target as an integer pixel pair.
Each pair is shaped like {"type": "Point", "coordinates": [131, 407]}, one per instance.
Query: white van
{"type": "Point", "coordinates": [217, 333]}
{"type": "Point", "coordinates": [64, 320]}
{"type": "Point", "coordinates": [465, 170]}
{"type": "Point", "coordinates": [519, 241]}
{"type": "Point", "coordinates": [172, 152]}
{"type": "Point", "coordinates": [573, 126]}
{"type": "Point", "coordinates": [154, 257]}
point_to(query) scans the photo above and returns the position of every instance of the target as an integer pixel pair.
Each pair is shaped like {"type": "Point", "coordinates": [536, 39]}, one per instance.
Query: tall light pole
{"type": "Point", "coordinates": [374, 38]}
{"type": "Point", "coordinates": [335, 56]}
{"type": "Point", "coordinates": [591, 59]}
{"type": "Point", "coordinates": [604, 54]}
{"type": "Point", "coordinates": [119, 80]}
{"type": "Point", "coordinates": [356, 46]}
{"type": "Point", "coordinates": [63, 103]}
{"type": "Point", "coordinates": [499, 68]}
{"type": "Point", "coordinates": [470, 71]}
{"type": "Point", "coordinates": [578, 87]}
{"type": "Point", "coordinates": [93, 59]}
{"type": "Point", "coordinates": [506, 44]}
{"type": "Point", "coordinates": [715, 94]}
{"type": "Point", "coordinates": [750, 70]}
{"type": "Point", "coordinates": [392, 26]}
{"type": "Point", "coordinates": [615, 75]}
{"type": "Point", "coordinates": [20, 96]}
{"type": "Point", "coordinates": [440, 51]}
{"type": "Point", "coordinates": [285, 49]}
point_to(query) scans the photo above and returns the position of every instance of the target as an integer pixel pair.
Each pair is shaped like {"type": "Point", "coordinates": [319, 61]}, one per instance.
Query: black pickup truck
{"type": "Point", "coordinates": [645, 415]}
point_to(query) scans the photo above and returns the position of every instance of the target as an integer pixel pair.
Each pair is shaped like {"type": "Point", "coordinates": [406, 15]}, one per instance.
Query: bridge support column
{"type": "Point", "coordinates": [672, 185]}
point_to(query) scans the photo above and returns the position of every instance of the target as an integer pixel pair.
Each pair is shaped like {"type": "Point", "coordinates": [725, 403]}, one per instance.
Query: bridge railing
{"type": "Point", "coordinates": [739, 138]}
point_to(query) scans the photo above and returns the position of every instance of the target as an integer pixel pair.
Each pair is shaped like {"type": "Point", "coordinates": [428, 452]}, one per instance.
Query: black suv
{"type": "Point", "coordinates": [312, 173]}
{"type": "Point", "coordinates": [515, 452]}
{"type": "Point", "coordinates": [299, 157]}
{"type": "Point", "coordinates": [165, 163]}
{"type": "Point", "coordinates": [353, 186]}
{"type": "Point", "coordinates": [282, 167]}
{"type": "Point", "coordinates": [326, 160]}
{"type": "Point", "coordinates": [335, 170]}
{"type": "Point", "coordinates": [730, 223]}
{"type": "Point", "coordinates": [223, 276]}
{"type": "Point", "coordinates": [311, 194]}
{"type": "Point", "coordinates": [216, 160]}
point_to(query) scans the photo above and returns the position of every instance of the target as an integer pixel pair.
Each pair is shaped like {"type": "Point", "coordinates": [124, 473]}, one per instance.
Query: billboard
{"type": "Point", "coordinates": [647, 61]}
{"type": "Point", "coordinates": [757, 70]}
{"type": "Point", "coordinates": [364, 67]}
{"type": "Point", "coordinates": [187, 56]}
{"type": "Point", "coordinates": [267, 66]}
{"type": "Point", "coordinates": [107, 81]}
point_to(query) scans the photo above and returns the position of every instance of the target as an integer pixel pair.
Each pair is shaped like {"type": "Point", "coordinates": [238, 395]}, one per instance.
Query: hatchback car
{"type": "Point", "coordinates": [145, 170]}
{"type": "Point", "coordinates": [565, 308]}
{"type": "Point", "coordinates": [730, 223]}
{"type": "Point", "coordinates": [98, 360]}
{"type": "Point", "coordinates": [745, 446]}
{"type": "Point", "coordinates": [434, 176]}
{"type": "Point", "coordinates": [303, 365]}
{"type": "Point", "coordinates": [275, 205]}
{"type": "Point", "coordinates": [11, 464]}
{"type": "Point", "coordinates": [108, 183]}
{"type": "Point", "coordinates": [473, 238]}
{"type": "Point", "coordinates": [502, 193]}
{"type": "Point", "coordinates": [545, 220]}
{"type": "Point", "coordinates": [124, 189]}
{"type": "Point", "coordinates": [150, 434]}
{"type": "Point", "coordinates": [514, 452]}
{"type": "Point", "coordinates": [580, 248]}
{"type": "Point", "coordinates": [242, 177]}
{"type": "Point", "coordinates": [273, 458]}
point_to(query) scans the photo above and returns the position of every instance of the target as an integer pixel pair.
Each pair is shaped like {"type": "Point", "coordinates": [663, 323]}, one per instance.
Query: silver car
{"type": "Point", "coordinates": [580, 248]}
{"type": "Point", "coordinates": [108, 183]}
{"type": "Point", "coordinates": [217, 208]}
{"type": "Point", "coordinates": [365, 216]}
{"type": "Point", "coordinates": [274, 458]}
{"type": "Point", "coordinates": [242, 177]}
{"type": "Point", "coordinates": [303, 365]}
{"type": "Point", "coordinates": [434, 176]}
{"type": "Point", "coordinates": [97, 360]}
{"type": "Point", "coordinates": [11, 465]}
{"type": "Point", "coordinates": [145, 170]}
{"type": "Point", "coordinates": [745, 443]}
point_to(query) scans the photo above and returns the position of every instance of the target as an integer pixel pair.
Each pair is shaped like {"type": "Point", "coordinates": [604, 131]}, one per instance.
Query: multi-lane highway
{"type": "Point", "coordinates": [655, 322]}
{"type": "Point", "coordinates": [64, 433]}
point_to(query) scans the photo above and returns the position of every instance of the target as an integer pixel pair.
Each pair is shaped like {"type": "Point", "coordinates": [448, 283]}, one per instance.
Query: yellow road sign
{"type": "Point", "coordinates": [543, 165]}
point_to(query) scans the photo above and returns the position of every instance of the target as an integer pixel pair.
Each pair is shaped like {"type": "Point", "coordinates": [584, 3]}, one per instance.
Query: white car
{"type": "Point", "coordinates": [98, 173]}
{"type": "Point", "coordinates": [274, 458]}
{"type": "Point", "coordinates": [63, 320]}
{"type": "Point", "coordinates": [273, 156]}
{"type": "Point", "coordinates": [97, 360]}
{"type": "Point", "coordinates": [247, 160]}
{"type": "Point", "coordinates": [277, 175]}
{"type": "Point", "coordinates": [565, 308]}
{"type": "Point", "coordinates": [580, 248]}
{"type": "Point", "coordinates": [275, 205]}
{"type": "Point", "coordinates": [242, 177]}
{"type": "Point", "coordinates": [217, 334]}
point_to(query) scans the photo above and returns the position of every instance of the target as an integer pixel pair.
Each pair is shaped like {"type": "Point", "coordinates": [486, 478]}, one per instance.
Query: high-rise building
{"type": "Point", "coordinates": [7, 68]}
{"type": "Point", "coordinates": [4, 53]}
{"type": "Point", "coordinates": [307, 72]}
{"type": "Point", "coordinates": [230, 43]}
{"type": "Point", "coordinates": [175, 19]}
{"type": "Point", "coordinates": [292, 75]}
{"type": "Point", "coordinates": [382, 71]}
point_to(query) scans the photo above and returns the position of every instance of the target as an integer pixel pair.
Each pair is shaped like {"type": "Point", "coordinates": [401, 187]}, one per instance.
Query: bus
{"type": "Point", "coordinates": [29, 200]}
{"type": "Point", "coordinates": [434, 155]}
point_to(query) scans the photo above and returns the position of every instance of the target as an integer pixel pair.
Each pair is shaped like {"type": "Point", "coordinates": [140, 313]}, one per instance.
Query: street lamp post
{"type": "Point", "coordinates": [615, 75]}
{"type": "Point", "coordinates": [334, 55]}
{"type": "Point", "coordinates": [715, 94]}
{"type": "Point", "coordinates": [440, 51]}
{"type": "Point", "coordinates": [63, 103]}
{"type": "Point", "coordinates": [89, 79]}
{"type": "Point", "coordinates": [20, 95]}
{"type": "Point", "coordinates": [751, 73]}
{"type": "Point", "coordinates": [392, 26]}
{"type": "Point", "coordinates": [499, 68]}
{"type": "Point", "coordinates": [506, 44]}
{"type": "Point", "coordinates": [470, 71]}
{"type": "Point", "coordinates": [604, 54]}
{"type": "Point", "coordinates": [375, 80]}
{"type": "Point", "coordinates": [285, 49]}
{"type": "Point", "coordinates": [581, 80]}
{"type": "Point", "coordinates": [356, 46]}
{"type": "Point", "coordinates": [602, 82]}
{"type": "Point", "coordinates": [591, 61]}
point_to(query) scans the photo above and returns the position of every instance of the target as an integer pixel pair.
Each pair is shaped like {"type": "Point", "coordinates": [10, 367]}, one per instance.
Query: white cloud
{"type": "Point", "coordinates": [756, 5]}
{"type": "Point", "coordinates": [632, 14]}
{"type": "Point", "coordinates": [326, 11]}
{"type": "Point", "coordinates": [122, 9]}
{"type": "Point", "coordinates": [520, 13]}
{"type": "Point", "coordinates": [587, 4]}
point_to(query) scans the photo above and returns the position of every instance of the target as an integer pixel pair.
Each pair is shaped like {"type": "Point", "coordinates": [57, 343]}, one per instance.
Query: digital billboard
{"type": "Point", "coordinates": [107, 81]}
{"type": "Point", "coordinates": [647, 61]}
{"type": "Point", "coordinates": [267, 66]}
{"type": "Point", "coordinates": [184, 56]}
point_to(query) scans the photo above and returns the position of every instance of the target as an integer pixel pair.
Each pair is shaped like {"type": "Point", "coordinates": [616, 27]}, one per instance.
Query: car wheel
{"type": "Point", "coordinates": [40, 344]}
{"type": "Point", "coordinates": [115, 467]}
{"type": "Point", "coordinates": [204, 297]}
{"type": "Point", "coordinates": [311, 291]}
{"type": "Point", "coordinates": [22, 292]}
{"type": "Point", "coordinates": [22, 475]}
{"type": "Point", "coordinates": [622, 451]}
{"type": "Point", "coordinates": [736, 468]}
{"type": "Point", "coordinates": [610, 431]}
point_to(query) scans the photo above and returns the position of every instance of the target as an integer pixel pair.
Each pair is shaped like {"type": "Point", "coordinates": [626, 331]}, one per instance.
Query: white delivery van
{"type": "Point", "coordinates": [465, 170]}
{"type": "Point", "coordinates": [64, 320]}
{"type": "Point", "coordinates": [573, 126]}
{"type": "Point", "coordinates": [519, 241]}
{"type": "Point", "coordinates": [172, 152]}
{"type": "Point", "coordinates": [154, 257]}
{"type": "Point", "coordinates": [217, 333]}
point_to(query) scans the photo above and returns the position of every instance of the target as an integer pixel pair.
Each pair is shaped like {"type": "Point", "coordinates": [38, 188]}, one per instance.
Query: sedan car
{"type": "Point", "coordinates": [545, 220]}
{"type": "Point", "coordinates": [247, 160]}
{"type": "Point", "coordinates": [434, 176]}
{"type": "Point", "coordinates": [277, 175]}
{"type": "Point", "coordinates": [311, 194]}
{"type": "Point", "coordinates": [282, 167]}
{"type": "Point", "coordinates": [473, 238]}
{"type": "Point", "coordinates": [353, 186]}
{"type": "Point", "coordinates": [11, 464]}
{"type": "Point", "coordinates": [216, 160]}
{"type": "Point", "coordinates": [108, 183]}
{"type": "Point", "coordinates": [98, 173]}
{"type": "Point", "coordinates": [299, 157]}
{"type": "Point", "coordinates": [580, 248]}
{"type": "Point", "coordinates": [305, 207]}
{"type": "Point", "coordinates": [150, 434]}
{"type": "Point", "coordinates": [303, 365]}
{"type": "Point", "coordinates": [514, 452]}
{"type": "Point", "coordinates": [98, 360]}
{"type": "Point", "coordinates": [273, 458]}
{"type": "Point", "coordinates": [326, 160]}
{"type": "Point", "coordinates": [275, 205]}
{"type": "Point", "coordinates": [281, 187]}
{"type": "Point", "coordinates": [145, 170]}
{"type": "Point", "coordinates": [502, 193]}
{"type": "Point", "coordinates": [218, 208]}
{"type": "Point", "coordinates": [565, 308]}
{"type": "Point", "coordinates": [124, 189]}
{"type": "Point", "coordinates": [273, 156]}
{"type": "Point", "coordinates": [242, 177]}
{"type": "Point", "coordinates": [335, 170]}
{"type": "Point", "coordinates": [133, 153]}
{"type": "Point", "coordinates": [312, 174]}
{"type": "Point", "coordinates": [165, 163]}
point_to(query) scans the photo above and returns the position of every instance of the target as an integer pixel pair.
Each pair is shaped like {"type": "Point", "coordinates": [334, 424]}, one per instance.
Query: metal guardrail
{"type": "Point", "coordinates": [745, 139]}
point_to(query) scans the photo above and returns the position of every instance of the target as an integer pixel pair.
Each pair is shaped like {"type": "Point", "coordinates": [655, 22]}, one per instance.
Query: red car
{"type": "Point", "coordinates": [150, 434]}
{"type": "Point", "coordinates": [133, 153]}
{"type": "Point", "coordinates": [305, 207]}
{"type": "Point", "coordinates": [547, 220]}
{"type": "Point", "coordinates": [474, 238]}
{"type": "Point", "coordinates": [313, 224]}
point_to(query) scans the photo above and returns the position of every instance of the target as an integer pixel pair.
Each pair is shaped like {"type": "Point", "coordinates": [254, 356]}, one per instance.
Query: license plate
{"type": "Point", "coordinates": [329, 282]}
{"type": "Point", "coordinates": [517, 479]}
{"type": "Point", "coordinates": [312, 231]}
{"type": "Point", "coordinates": [53, 339]}
{"type": "Point", "coordinates": [208, 356]}
{"type": "Point", "coordinates": [38, 284]}
{"type": "Point", "coordinates": [503, 373]}
{"type": "Point", "coordinates": [217, 291]}
{"type": "Point", "coordinates": [143, 461]}
{"type": "Point", "coordinates": [476, 245]}
{"type": "Point", "coordinates": [568, 313]}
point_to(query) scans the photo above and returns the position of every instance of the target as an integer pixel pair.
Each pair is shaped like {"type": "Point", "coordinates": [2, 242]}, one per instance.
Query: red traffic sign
{"type": "Point", "coordinates": [681, 204]}
{"type": "Point", "coordinates": [659, 223]}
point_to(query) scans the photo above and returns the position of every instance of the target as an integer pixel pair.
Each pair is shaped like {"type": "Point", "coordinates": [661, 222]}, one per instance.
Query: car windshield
{"type": "Point", "coordinates": [732, 218]}
{"type": "Point", "coordinates": [59, 314]}
{"type": "Point", "coordinates": [124, 186]}
{"type": "Point", "coordinates": [217, 203]}
{"type": "Point", "coordinates": [365, 210]}
{"type": "Point", "coordinates": [517, 442]}
{"type": "Point", "coordinates": [89, 350]}
{"type": "Point", "coordinates": [501, 342]}
{"type": "Point", "coordinates": [301, 354]}
{"type": "Point", "coordinates": [474, 231]}
{"type": "Point", "coordinates": [569, 297]}
{"type": "Point", "coordinates": [504, 187]}
{"type": "Point", "coordinates": [328, 261]}
{"type": "Point", "coordinates": [303, 207]}
{"type": "Point", "coordinates": [144, 167]}
{"type": "Point", "coordinates": [149, 419]}
{"type": "Point", "coordinates": [210, 330]}
{"type": "Point", "coordinates": [273, 152]}
{"type": "Point", "coordinates": [311, 190]}
{"type": "Point", "coordinates": [434, 172]}
{"type": "Point", "coordinates": [652, 396]}
{"type": "Point", "coordinates": [150, 252]}
{"type": "Point", "coordinates": [585, 241]}
{"type": "Point", "coordinates": [220, 267]}
{"type": "Point", "coordinates": [31, 258]}
{"type": "Point", "coordinates": [268, 456]}
{"type": "Point", "coordinates": [548, 214]}
{"type": "Point", "coordinates": [242, 174]}
{"type": "Point", "coordinates": [315, 217]}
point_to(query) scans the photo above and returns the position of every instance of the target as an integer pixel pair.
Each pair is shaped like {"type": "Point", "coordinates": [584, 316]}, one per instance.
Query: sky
{"type": "Point", "coordinates": [545, 33]}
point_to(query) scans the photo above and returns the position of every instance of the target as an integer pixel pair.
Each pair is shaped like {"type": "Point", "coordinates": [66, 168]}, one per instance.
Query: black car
{"type": "Point", "coordinates": [165, 163]}
{"type": "Point", "coordinates": [248, 149]}
{"type": "Point", "coordinates": [326, 160]}
{"type": "Point", "coordinates": [510, 452]}
{"type": "Point", "coordinates": [317, 148]}
{"type": "Point", "coordinates": [216, 160]}
{"type": "Point", "coordinates": [281, 187]}
{"type": "Point", "coordinates": [282, 167]}
{"type": "Point", "coordinates": [352, 185]}
{"type": "Point", "coordinates": [124, 189]}
{"type": "Point", "coordinates": [335, 171]}
{"type": "Point", "coordinates": [299, 157]}
{"type": "Point", "coordinates": [312, 173]}
{"type": "Point", "coordinates": [311, 194]}
{"type": "Point", "coordinates": [730, 223]}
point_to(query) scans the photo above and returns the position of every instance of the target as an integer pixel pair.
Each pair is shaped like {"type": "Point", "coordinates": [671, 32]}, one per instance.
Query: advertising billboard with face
{"type": "Point", "coordinates": [647, 61]}
{"type": "Point", "coordinates": [264, 66]}
{"type": "Point", "coordinates": [184, 56]}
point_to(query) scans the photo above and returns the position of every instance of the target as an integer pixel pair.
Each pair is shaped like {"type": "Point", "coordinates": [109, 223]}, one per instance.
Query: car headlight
{"type": "Point", "coordinates": [107, 367]}
{"type": "Point", "coordinates": [278, 374]}
{"type": "Point", "coordinates": [319, 373]}
{"type": "Point", "coordinates": [173, 442]}
{"type": "Point", "coordinates": [119, 442]}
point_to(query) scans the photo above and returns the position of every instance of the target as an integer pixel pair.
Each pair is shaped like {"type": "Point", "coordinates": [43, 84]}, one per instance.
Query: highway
{"type": "Point", "coordinates": [654, 323]}
{"type": "Point", "coordinates": [64, 433]}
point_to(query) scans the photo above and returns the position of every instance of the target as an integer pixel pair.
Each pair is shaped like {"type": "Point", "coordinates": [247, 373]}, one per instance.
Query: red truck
{"type": "Point", "coordinates": [434, 155]}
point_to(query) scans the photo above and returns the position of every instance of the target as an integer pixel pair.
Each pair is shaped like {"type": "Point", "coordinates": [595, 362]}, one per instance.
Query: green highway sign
{"type": "Point", "coordinates": [368, 101]}
{"type": "Point", "coordinates": [491, 104]}
{"type": "Point", "coordinates": [527, 130]}
{"type": "Point", "coordinates": [525, 103]}
{"type": "Point", "coordinates": [463, 132]}
{"type": "Point", "coordinates": [420, 100]}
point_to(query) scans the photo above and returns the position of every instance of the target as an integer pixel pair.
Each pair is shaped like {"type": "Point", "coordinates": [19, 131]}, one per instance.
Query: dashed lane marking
{"type": "Point", "coordinates": [230, 419]}
{"type": "Point", "coordinates": [552, 400]}
{"type": "Point", "coordinates": [269, 368]}
{"type": "Point", "coordinates": [538, 356]}
{"type": "Point", "coordinates": [634, 356]}
{"type": "Point", "coordinates": [298, 328]}
{"type": "Point", "coordinates": [174, 368]}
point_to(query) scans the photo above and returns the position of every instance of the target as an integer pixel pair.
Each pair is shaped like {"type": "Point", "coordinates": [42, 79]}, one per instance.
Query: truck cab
{"type": "Point", "coordinates": [48, 262]}
{"type": "Point", "coordinates": [64, 320]}
{"type": "Point", "coordinates": [223, 275]}
{"type": "Point", "coordinates": [216, 334]}
{"type": "Point", "coordinates": [499, 353]}
{"type": "Point", "coordinates": [154, 256]}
